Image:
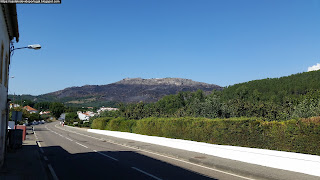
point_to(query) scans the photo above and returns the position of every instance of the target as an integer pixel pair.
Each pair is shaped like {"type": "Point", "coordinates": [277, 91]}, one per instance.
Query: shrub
{"type": "Point", "coordinates": [100, 123]}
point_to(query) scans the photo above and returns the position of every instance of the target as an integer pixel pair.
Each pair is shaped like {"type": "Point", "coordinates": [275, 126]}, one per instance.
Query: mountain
{"type": "Point", "coordinates": [128, 90]}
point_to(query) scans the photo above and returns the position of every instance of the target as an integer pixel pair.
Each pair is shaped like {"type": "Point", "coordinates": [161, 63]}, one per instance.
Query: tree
{"type": "Point", "coordinates": [42, 105]}
{"type": "Point", "coordinates": [72, 117]}
{"type": "Point", "coordinates": [57, 109]}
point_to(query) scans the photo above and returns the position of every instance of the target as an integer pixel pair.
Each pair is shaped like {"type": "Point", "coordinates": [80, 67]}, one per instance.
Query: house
{"type": "Point", "coordinates": [44, 112]}
{"type": "Point", "coordinates": [85, 116]}
{"type": "Point", "coordinates": [8, 32]}
{"type": "Point", "coordinates": [106, 109]}
{"type": "Point", "coordinates": [12, 105]}
{"type": "Point", "coordinates": [30, 109]}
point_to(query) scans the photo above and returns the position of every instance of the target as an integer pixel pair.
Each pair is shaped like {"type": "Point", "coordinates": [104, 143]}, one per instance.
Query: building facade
{"type": "Point", "coordinates": [8, 31]}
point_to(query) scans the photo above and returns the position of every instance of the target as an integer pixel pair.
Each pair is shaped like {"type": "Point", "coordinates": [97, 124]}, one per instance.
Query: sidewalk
{"type": "Point", "coordinates": [24, 163]}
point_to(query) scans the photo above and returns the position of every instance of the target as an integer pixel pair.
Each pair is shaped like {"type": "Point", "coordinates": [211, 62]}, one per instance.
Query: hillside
{"type": "Point", "coordinates": [127, 90]}
{"type": "Point", "coordinates": [276, 89]}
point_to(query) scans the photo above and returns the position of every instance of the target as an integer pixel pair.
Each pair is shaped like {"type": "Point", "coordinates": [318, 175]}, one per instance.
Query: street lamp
{"type": "Point", "coordinates": [33, 46]}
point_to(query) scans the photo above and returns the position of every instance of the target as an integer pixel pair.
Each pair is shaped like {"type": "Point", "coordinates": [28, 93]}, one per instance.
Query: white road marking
{"type": "Point", "coordinates": [106, 155]}
{"type": "Point", "coordinates": [45, 158]}
{"type": "Point", "coordinates": [54, 175]}
{"type": "Point", "coordinates": [69, 139]}
{"type": "Point", "coordinates": [148, 174]}
{"type": "Point", "coordinates": [41, 150]}
{"type": "Point", "coordinates": [231, 174]}
{"type": "Point", "coordinates": [81, 145]}
{"type": "Point", "coordinates": [184, 161]}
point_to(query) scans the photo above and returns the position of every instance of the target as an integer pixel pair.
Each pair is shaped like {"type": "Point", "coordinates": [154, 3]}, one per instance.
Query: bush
{"type": "Point", "coordinates": [100, 123]}
{"type": "Point", "coordinates": [121, 124]}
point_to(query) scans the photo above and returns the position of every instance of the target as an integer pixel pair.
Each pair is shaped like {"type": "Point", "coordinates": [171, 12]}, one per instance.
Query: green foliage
{"type": "Point", "coordinates": [113, 114]}
{"type": "Point", "coordinates": [72, 117]}
{"type": "Point", "coordinates": [291, 135]}
{"type": "Point", "coordinates": [120, 124]}
{"type": "Point", "coordinates": [42, 105]}
{"type": "Point", "coordinates": [100, 123]}
{"type": "Point", "coordinates": [34, 117]}
{"type": "Point", "coordinates": [279, 99]}
{"type": "Point", "coordinates": [57, 109]}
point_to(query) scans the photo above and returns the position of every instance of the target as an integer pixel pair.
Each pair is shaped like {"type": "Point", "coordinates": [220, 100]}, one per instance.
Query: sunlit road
{"type": "Point", "coordinates": [76, 154]}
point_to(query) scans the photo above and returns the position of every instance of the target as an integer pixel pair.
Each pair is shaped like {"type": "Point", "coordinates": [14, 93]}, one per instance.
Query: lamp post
{"type": "Point", "coordinates": [12, 49]}
{"type": "Point", "coordinates": [33, 46]}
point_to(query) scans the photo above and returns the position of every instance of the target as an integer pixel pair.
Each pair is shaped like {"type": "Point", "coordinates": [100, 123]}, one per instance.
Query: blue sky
{"type": "Point", "coordinates": [221, 42]}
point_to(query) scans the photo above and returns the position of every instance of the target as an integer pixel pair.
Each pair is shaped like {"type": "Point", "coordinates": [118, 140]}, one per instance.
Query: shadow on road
{"type": "Point", "coordinates": [125, 165]}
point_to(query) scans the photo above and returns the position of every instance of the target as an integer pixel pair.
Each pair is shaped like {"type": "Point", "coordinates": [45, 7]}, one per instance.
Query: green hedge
{"type": "Point", "coordinates": [100, 123]}
{"type": "Point", "coordinates": [292, 135]}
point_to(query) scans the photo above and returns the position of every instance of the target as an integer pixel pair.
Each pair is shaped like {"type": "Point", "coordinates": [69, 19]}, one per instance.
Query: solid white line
{"type": "Point", "coordinates": [41, 150]}
{"type": "Point", "coordinates": [148, 174]}
{"type": "Point", "coordinates": [39, 144]}
{"type": "Point", "coordinates": [54, 175]}
{"type": "Point", "coordinates": [81, 145]}
{"type": "Point", "coordinates": [106, 155]}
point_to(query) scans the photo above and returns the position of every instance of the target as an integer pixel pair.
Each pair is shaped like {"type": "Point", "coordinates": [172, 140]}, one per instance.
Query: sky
{"type": "Point", "coordinates": [221, 42]}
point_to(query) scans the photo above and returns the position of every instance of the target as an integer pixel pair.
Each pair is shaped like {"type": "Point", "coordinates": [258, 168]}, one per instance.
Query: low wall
{"type": "Point", "coordinates": [297, 162]}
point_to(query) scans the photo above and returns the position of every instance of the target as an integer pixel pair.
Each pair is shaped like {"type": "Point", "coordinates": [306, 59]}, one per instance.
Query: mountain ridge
{"type": "Point", "coordinates": [131, 90]}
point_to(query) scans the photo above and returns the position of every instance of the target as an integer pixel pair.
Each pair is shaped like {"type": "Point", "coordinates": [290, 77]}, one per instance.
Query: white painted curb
{"type": "Point", "coordinates": [297, 162]}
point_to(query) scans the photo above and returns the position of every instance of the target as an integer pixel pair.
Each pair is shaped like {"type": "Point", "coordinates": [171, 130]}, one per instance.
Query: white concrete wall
{"type": "Point", "coordinates": [4, 39]}
{"type": "Point", "coordinates": [297, 162]}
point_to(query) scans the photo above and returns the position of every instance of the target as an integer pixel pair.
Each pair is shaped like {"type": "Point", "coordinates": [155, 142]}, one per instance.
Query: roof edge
{"type": "Point", "coordinates": [11, 17]}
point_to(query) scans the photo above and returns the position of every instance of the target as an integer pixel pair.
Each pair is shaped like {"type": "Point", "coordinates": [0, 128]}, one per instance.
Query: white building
{"type": "Point", "coordinates": [106, 109]}
{"type": "Point", "coordinates": [8, 31]}
{"type": "Point", "coordinates": [12, 105]}
{"type": "Point", "coordinates": [44, 112]}
{"type": "Point", "coordinates": [85, 116]}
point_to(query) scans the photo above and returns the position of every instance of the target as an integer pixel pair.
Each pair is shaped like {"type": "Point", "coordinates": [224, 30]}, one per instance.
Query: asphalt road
{"type": "Point", "coordinates": [76, 154]}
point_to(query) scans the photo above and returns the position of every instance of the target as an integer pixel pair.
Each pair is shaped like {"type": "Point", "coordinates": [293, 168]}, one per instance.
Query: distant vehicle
{"type": "Point", "coordinates": [35, 122]}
